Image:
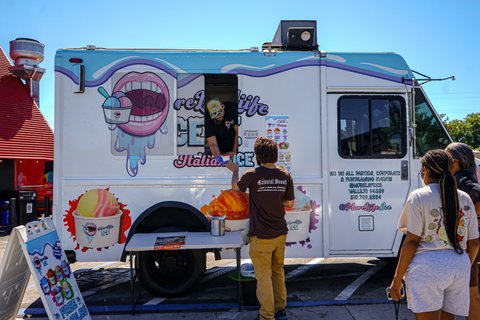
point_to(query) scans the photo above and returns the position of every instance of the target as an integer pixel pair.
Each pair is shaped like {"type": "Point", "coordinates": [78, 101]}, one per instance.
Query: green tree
{"type": "Point", "coordinates": [466, 131]}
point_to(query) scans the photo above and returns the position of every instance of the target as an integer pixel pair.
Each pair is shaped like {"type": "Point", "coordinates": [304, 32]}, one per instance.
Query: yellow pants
{"type": "Point", "coordinates": [267, 258]}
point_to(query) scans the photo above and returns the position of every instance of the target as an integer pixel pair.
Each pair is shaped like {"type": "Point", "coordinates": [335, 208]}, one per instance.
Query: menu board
{"type": "Point", "coordinates": [277, 129]}
{"type": "Point", "coordinates": [48, 264]}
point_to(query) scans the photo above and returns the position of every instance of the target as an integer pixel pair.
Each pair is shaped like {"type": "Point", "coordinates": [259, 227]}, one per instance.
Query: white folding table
{"type": "Point", "coordinates": [193, 240]}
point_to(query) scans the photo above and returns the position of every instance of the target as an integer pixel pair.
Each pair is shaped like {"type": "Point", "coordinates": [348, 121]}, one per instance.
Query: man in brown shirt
{"type": "Point", "coordinates": [270, 188]}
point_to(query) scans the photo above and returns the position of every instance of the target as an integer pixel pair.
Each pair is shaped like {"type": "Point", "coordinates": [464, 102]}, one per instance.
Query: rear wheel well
{"type": "Point", "coordinates": [169, 216]}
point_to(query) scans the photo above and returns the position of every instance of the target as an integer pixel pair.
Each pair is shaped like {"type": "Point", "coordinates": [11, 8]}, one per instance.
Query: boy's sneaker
{"type": "Point", "coordinates": [281, 315]}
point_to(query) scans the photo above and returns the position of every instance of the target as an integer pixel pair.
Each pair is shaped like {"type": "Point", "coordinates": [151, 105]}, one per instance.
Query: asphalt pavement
{"type": "Point", "coordinates": [323, 291]}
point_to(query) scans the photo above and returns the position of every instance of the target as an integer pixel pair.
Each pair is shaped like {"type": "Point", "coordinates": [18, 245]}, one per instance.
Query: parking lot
{"type": "Point", "coordinates": [310, 283]}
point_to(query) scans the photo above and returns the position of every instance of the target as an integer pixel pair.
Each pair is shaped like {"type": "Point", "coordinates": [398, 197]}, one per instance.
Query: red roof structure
{"type": "Point", "coordinates": [24, 132]}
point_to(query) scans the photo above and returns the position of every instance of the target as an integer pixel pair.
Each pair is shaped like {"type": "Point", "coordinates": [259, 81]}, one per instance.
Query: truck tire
{"type": "Point", "coordinates": [171, 273]}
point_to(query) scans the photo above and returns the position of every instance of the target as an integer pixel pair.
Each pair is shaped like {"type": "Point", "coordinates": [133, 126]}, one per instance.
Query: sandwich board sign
{"type": "Point", "coordinates": [36, 250]}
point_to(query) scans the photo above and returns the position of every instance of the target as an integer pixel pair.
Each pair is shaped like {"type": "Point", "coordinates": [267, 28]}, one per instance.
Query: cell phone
{"type": "Point", "coordinates": [389, 295]}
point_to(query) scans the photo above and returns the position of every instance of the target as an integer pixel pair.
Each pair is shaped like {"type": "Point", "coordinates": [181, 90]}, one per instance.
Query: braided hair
{"type": "Point", "coordinates": [439, 163]}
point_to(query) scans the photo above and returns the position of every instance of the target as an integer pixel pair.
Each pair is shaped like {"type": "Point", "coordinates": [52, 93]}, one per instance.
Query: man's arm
{"type": "Point", "coordinates": [235, 142]}
{"type": "Point", "coordinates": [213, 145]}
{"type": "Point", "coordinates": [235, 180]}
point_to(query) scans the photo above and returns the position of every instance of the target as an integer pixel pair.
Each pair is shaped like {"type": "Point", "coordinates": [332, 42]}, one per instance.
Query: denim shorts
{"type": "Point", "coordinates": [438, 280]}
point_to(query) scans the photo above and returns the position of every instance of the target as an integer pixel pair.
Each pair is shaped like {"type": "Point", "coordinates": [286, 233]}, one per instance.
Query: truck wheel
{"type": "Point", "coordinates": [171, 273]}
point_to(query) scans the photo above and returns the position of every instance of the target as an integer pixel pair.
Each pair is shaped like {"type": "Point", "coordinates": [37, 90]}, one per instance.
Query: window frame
{"type": "Point", "coordinates": [371, 97]}
{"type": "Point", "coordinates": [417, 154]}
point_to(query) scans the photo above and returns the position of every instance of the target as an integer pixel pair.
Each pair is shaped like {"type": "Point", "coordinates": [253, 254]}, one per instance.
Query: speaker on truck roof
{"type": "Point", "coordinates": [296, 35]}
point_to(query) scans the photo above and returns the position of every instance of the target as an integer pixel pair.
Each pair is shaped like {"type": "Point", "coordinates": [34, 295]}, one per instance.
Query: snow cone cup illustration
{"type": "Point", "coordinates": [67, 290]}
{"type": "Point", "coordinates": [234, 206]}
{"type": "Point", "coordinates": [97, 219]}
{"type": "Point", "coordinates": [51, 277]}
{"type": "Point", "coordinates": [59, 273]}
{"type": "Point", "coordinates": [45, 285]}
{"type": "Point", "coordinates": [66, 268]}
{"type": "Point", "coordinates": [57, 295]}
{"type": "Point", "coordinates": [298, 218]}
{"type": "Point", "coordinates": [116, 108]}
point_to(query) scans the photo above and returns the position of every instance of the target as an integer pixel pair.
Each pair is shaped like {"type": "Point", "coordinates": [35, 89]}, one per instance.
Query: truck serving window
{"type": "Point", "coordinates": [221, 112]}
{"type": "Point", "coordinates": [430, 133]}
{"type": "Point", "coordinates": [371, 127]}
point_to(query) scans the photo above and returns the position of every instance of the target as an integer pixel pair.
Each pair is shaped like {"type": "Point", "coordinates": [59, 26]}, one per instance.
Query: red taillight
{"type": "Point", "coordinates": [76, 60]}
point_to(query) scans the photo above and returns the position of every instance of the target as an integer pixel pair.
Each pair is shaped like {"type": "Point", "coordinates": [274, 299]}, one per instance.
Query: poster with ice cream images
{"type": "Point", "coordinates": [97, 220]}
{"type": "Point", "coordinates": [277, 128]}
{"type": "Point", "coordinates": [55, 281]}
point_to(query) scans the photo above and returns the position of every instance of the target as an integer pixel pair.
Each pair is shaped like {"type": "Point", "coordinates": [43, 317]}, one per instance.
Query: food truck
{"type": "Point", "coordinates": [131, 155]}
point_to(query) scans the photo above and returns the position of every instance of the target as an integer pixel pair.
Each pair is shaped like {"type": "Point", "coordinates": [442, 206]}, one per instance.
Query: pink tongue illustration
{"type": "Point", "coordinates": [146, 102]}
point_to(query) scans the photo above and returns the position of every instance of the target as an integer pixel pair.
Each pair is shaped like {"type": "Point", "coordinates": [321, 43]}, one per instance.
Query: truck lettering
{"type": "Point", "coordinates": [190, 131]}
{"type": "Point", "coordinates": [196, 103]}
{"type": "Point", "coordinates": [249, 104]}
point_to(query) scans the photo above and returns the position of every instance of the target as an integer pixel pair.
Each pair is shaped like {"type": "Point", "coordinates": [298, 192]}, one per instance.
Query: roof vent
{"type": "Point", "coordinates": [296, 35]}
{"type": "Point", "coordinates": [28, 54]}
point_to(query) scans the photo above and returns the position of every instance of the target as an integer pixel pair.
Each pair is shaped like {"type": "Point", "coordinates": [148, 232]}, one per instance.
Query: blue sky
{"type": "Point", "coordinates": [437, 38]}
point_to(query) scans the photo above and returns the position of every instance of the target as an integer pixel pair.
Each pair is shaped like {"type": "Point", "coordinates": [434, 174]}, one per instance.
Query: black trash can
{"type": "Point", "coordinates": [5, 213]}
{"type": "Point", "coordinates": [249, 290]}
{"type": "Point", "coordinates": [22, 206]}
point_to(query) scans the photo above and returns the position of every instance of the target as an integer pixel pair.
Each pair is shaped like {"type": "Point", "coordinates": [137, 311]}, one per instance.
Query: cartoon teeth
{"type": "Point", "coordinates": [145, 118]}
{"type": "Point", "coordinates": [143, 85]}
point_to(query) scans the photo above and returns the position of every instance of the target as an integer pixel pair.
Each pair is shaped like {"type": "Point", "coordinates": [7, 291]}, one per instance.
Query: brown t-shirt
{"type": "Point", "coordinates": [268, 188]}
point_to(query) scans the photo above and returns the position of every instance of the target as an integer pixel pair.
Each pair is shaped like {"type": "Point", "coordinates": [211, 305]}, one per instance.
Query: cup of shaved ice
{"type": "Point", "coordinates": [97, 219]}
{"type": "Point", "coordinates": [298, 218]}
{"type": "Point", "coordinates": [232, 204]}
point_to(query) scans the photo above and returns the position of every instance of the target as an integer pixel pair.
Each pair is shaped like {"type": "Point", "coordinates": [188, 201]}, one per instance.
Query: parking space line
{"type": "Point", "coordinates": [154, 301]}
{"type": "Point", "coordinates": [352, 287]}
{"type": "Point", "coordinates": [302, 269]}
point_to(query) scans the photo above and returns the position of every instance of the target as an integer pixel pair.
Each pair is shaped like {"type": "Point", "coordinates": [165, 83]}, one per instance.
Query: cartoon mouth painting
{"type": "Point", "coordinates": [138, 108]}
{"type": "Point", "coordinates": [149, 98]}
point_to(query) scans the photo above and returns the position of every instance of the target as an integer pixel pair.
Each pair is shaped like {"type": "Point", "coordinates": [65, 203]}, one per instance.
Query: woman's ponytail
{"type": "Point", "coordinates": [439, 164]}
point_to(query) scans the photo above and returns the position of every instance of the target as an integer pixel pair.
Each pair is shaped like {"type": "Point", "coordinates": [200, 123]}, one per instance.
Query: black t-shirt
{"type": "Point", "coordinates": [267, 189]}
{"type": "Point", "coordinates": [224, 131]}
{"type": "Point", "coordinates": [466, 182]}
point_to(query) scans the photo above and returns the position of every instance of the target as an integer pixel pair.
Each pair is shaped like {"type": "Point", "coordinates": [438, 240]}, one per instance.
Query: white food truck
{"type": "Point", "coordinates": [131, 155]}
